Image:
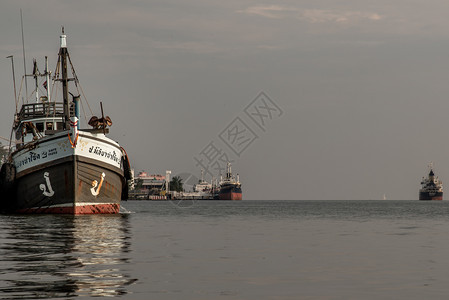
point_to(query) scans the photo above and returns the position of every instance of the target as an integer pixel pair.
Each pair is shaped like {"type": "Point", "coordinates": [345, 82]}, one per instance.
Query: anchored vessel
{"type": "Point", "coordinates": [431, 187]}
{"type": "Point", "coordinates": [56, 167]}
{"type": "Point", "coordinates": [203, 188]}
{"type": "Point", "coordinates": [230, 187]}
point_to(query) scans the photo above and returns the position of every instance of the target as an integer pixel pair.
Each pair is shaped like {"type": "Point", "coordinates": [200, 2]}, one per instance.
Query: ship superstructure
{"type": "Point", "coordinates": [202, 188]}
{"type": "Point", "coordinates": [431, 187]}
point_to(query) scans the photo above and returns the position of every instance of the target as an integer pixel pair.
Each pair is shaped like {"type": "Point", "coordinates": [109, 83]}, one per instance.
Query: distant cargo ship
{"type": "Point", "coordinates": [230, 187]}
{"type": "Point", "coordinates": [431, 187]}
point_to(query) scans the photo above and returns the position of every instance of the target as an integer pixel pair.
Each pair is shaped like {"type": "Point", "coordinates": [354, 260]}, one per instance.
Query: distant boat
{"type": "Point", "coordinates": [230, 187]}
{"type": "Point", "coordinates": [431, 187]}
{"type": "Point", "coordinates": [56, 167]}
{"type": "Point", "coordinates": [203, 188]}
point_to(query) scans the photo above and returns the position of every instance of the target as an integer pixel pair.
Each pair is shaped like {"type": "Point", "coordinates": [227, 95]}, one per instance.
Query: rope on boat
{"type": "Point", "coordinates": [79, 88]}
{"type": "Point", "coordinates": [8, 140]}
{"type": "Point", "coordinates": [5, 139]}
{"type": "Point", "coordinates": [74, 141]}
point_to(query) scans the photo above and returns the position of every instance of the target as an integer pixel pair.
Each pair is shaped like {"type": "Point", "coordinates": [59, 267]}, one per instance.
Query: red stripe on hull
{"type": "Point", "coordinates": [112, 208]}
{"type": "Point", "coordinates": [231, 196]}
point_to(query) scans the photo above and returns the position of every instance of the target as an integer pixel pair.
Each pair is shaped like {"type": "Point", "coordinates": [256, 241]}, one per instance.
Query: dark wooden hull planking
{"type": "Point", "coordinates": [69, 186]}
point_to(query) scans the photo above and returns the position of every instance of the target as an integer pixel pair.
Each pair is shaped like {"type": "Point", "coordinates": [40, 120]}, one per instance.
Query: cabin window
{"type": "Point", "coordinates": [49, 126]}
{"type": "Point", "coordinates": [40, 126]}
{"type": "Point", "coordinates": [59, 126]}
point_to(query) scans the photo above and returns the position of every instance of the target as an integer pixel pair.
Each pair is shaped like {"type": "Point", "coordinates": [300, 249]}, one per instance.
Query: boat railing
{"type": "Point", "coordinates": [45, 109]}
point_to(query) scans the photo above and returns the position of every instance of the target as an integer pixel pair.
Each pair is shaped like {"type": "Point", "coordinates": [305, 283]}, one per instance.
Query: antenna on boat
{"type": "Point", "coordinates": [23, 51]}
{"type": "Point", "coordinates": [15, 99]}
{"type": "Point", "coordinates": [13, 79]}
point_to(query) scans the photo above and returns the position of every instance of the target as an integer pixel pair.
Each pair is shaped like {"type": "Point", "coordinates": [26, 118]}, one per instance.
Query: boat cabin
{"type": "Point", "coordinates": [37, 120]}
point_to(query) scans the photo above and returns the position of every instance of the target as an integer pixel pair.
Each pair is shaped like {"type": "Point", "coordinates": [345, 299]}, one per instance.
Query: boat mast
{"type": "Point", "coordinates": [228, 170]}
{"type": "Point", "coordinates": [47, 77]}
{"type": "Point", "coordinates": [65, 90]}
{"type": "Point", "coordinates": [24, 59]}
{"type": "Point", "coordinates": [36, 75]}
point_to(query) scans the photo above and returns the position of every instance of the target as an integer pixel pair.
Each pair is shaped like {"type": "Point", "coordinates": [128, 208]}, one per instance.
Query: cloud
{"type": "Point", "coordinates": [190, 46]}
{"type": "Point", "coordinates": [326, 16]}
{"type": "Point", "coordinates": [268, 11]}
{"type": "Point", "coordinates": [311, 15]}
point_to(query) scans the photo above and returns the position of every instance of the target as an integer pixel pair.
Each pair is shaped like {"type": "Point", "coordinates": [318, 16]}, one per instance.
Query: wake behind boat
{"type": "Point", "coordinates": [56, 167]}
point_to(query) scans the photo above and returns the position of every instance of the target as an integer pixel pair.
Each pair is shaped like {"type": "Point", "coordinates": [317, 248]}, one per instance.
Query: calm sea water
{"type": "Point", "coordinates": [231, 250]}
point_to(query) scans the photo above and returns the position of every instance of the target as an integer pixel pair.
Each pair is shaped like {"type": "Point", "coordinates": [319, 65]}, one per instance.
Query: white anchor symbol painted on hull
{"type": "Point", "coordinates": [46, 189]}
{"type": "Point", "coordinates": [95, 184]}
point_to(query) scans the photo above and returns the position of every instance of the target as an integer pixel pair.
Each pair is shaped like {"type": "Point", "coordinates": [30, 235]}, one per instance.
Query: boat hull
{"type": "Point", "coordinates": [230, 193]}
{"type": "Point", "coordinates": [72, 183]}
{"type": "Point", "coordinates": [426, 196]}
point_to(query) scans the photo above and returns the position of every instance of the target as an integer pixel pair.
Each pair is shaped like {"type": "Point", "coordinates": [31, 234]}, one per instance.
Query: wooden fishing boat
{"type": "Point", "coordinates": [55, 166]}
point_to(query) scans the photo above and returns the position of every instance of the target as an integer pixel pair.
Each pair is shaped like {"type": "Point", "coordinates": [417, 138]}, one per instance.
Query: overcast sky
{"type": "Point", "coordinates": [309, 99]}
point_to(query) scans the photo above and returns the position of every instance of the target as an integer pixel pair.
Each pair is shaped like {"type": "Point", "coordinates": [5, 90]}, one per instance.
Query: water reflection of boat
{"type": "Point", "coordinates": [76, 256]}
